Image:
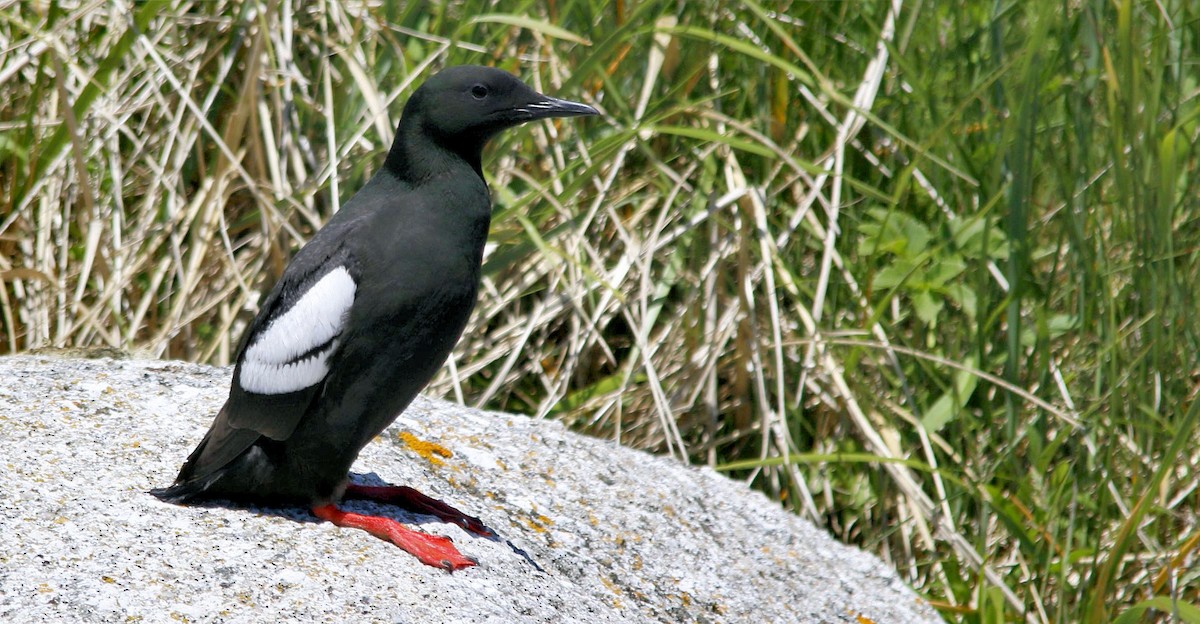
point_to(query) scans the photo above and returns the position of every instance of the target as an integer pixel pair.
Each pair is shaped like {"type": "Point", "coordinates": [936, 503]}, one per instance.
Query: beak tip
{"type": "Point", "coordinates": [554, 107]}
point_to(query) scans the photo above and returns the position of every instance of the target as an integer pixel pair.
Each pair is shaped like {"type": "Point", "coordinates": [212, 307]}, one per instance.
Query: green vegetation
{"type": "Point", "coordinates": [931, 280]}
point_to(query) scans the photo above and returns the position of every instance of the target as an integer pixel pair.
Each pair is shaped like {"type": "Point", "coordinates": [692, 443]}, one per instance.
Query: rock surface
{"type": "Point", "coordinates": [587, 531]}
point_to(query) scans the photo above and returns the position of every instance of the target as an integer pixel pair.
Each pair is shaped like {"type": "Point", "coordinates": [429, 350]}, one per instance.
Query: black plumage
{"type": "Point", "coordinates": [366, 313]}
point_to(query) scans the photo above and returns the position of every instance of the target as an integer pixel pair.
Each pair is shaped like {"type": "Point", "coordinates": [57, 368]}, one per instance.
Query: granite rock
{"type": "Point", "coordinates": [587, 531]}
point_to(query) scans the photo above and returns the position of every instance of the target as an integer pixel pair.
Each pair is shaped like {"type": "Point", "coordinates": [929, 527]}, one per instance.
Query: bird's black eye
{"type": "Point", "coordinates": [479, 91]}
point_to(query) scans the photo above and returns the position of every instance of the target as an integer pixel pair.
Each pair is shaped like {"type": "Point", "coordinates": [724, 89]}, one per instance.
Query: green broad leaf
{"type": "Point", "coordinates": [945, 269]}
{"type": "Point", "coordinates": [894, 232]}
{"type": "Point", "coordinates": [1061, 324]}
{"type": "Point", "coordinates": [969, 237]}
{"type": "Point", "coordinates": [939, 414]}
{"type": "Point", "coordinates": [963, 296]}
{"type": "Point", "coordinates": [967, 232]}
{"type": "Point", "coordinates": [927, 307]}
{"type": "Point", "coordinates": [1057, 325]}
{"type": "Point", "coordinates": [916, 233]}
{"type": "Point", "coordinates": [869, 243]}
{"type": "Point", "coordinates": [892, 276]}
{"type": "Point", "coordinates": [949, 405]}
{"type": "Point", "coordinates": [872, 243]}
{"type": "Point", "coordinates": [601, 387]}
{"type": "Point", "coordinates": [1185, 611]}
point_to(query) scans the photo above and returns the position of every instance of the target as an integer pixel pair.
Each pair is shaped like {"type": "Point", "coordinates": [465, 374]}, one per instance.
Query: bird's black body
{"type": "Point", "coordinates": [366, 313]}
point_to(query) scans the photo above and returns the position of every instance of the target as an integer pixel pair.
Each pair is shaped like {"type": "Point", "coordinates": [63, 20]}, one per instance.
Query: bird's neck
{"type": "Point", "coordinates": [416, 159]}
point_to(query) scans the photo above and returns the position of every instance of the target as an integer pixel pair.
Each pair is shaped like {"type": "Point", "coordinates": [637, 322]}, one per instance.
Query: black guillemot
{"type": "Point", "coordinates": [364, 316]}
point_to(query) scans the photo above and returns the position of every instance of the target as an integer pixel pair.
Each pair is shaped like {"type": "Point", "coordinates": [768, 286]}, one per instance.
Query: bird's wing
{"type": "Point", "coordinates": [286, 353]}
{"type": "Point", "coordinates": [283, 357]}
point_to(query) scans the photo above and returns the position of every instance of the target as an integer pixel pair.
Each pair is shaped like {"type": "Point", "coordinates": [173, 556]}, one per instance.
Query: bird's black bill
{"type": "Point", "coordinates": [554, 107]}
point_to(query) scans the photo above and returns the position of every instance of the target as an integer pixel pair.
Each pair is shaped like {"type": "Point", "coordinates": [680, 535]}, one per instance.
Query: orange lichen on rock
{"type": "Point", "coordinates": [431, 451]}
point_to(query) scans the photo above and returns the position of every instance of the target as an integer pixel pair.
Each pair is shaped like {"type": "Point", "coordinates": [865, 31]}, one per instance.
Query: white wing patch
{"type": "Point", "coordinates": [275, 363]}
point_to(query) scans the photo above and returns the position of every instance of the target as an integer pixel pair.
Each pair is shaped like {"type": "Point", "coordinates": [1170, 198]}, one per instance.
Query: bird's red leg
{"type": "Point", "coordinates": [433, 550]}
{"type": "Point", "coordinates": [416, 502]}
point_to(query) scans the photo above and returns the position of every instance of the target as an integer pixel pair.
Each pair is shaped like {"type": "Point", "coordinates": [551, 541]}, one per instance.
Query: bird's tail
{"type": "Point", "coordinates": [182, 492]}
{"type": "Point", "coordinates": [188, 485]}
{"type": "Point", "coordinates": [200, 471]}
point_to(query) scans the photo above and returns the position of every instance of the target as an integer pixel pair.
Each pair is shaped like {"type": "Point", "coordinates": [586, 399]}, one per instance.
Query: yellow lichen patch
{"type": "Point", "coordinates": [431, 451]}
{"type": "Point", "coordinates": [478, 441]}
{"type": "Point", "coordinates": [537, 522]}
{"type": "Point", "coordinates": [862, 619]}
{"type": "Point", "coordinates": [612, 587]}
{"type": "Point", "coordinates": [620, 539]}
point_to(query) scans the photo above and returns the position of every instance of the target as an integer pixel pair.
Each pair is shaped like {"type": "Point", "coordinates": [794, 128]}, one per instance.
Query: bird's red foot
{"type": "Point", "coordinates": [409, 499]}
{"type": "Point", "coordinates": [432, 550]}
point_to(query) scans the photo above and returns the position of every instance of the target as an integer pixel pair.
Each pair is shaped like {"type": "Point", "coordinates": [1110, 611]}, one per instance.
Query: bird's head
{"type": "Point", "coordinates": [462, 107]}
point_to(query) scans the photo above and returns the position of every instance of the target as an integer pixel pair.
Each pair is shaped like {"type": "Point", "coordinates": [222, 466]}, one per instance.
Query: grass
{"type": "Point", "coordinates": [927, 273]}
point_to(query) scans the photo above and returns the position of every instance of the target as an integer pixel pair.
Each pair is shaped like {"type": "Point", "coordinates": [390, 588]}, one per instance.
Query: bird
{"type": "Point", "coordinates": [363, 316]}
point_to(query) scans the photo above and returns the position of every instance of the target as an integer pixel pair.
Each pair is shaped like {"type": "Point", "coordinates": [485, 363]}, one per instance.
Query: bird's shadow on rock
{"type": "Point", "coordinates": [372, 479]}
{"type": "Point", "coordinates": [301, 514]}
{"type": "Point", "coordinates": [377, 508]}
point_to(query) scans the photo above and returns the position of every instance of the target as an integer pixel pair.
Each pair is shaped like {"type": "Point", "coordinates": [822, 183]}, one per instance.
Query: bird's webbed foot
{"type": "Point", "coordinates": [432, 550]}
